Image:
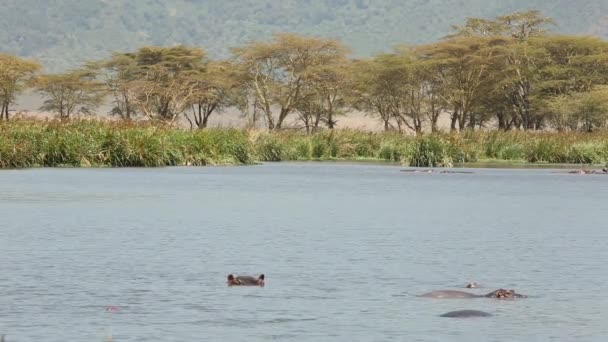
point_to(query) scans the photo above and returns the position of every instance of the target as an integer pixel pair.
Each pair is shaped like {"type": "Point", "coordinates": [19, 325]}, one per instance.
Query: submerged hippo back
{"type": "Point", "coordinates": [449, 294]}
{"type": "Point", "coordinates": [466, 314]}
{"type": "Point", "coordinates": [247, 280]}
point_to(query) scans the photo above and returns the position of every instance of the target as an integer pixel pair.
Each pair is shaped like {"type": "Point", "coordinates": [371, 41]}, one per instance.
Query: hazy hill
{"type": "Point", "coordinates": [63, 33]}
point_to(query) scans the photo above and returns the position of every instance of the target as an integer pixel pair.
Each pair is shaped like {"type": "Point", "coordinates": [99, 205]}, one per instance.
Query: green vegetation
{"type": "Point", "coordinates": [64, 33]}
{"type": "Point", "coordinates": [508, 73]}
{"type": "Point", "coordinates": [505, 84]}
{"type": "Point", "coordinates": [16, 75]}
{"type": "Point", "coordinates": [86, 143]}
{"type": "Point", "coordinates": [89, 143]}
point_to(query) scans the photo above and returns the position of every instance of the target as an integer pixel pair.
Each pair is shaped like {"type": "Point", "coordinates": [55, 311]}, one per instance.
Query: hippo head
{"type": "Point", "coordinates": [231, 280]}
{"type": "Point", "coordinates": [504, 294]}
{"type": "Point", "coordinates": [472, 285]}
{"type": "Point", "coordinates": [261, 280]}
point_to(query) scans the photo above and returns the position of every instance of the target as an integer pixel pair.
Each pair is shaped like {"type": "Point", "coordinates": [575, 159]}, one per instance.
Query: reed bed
{"type": "Point", "coordinates": [88, 143]}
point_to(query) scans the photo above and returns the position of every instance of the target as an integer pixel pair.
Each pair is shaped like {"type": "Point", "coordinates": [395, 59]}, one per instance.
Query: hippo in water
{"type": "Point", "coordinates": [466, 314]}
{"type": "Point", "coordinates": [499, 294]}
{"type": "Point", "coordinates": [472, 285]}
{"type": "Point", "coordinates": [245, 280]}
{"type": "Point", "coordinates": [434, 171]}
{"type": "Point", "coordinates": [590, 172]}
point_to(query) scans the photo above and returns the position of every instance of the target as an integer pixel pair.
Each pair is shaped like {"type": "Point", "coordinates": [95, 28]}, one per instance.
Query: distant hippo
{"type": "Point", "coordinates": [581, 172]}
{"type": "Point", "coordinates": [590, 172]}
{"type": "Point", "coordinates": [500, 294]}
{"type": "Point", "coordinates": [245, 280]}
{"type": "Point", "coordinates": [466, 314]}
{"type": "Point", "coordinates": [419, 171]}
{"type": "Point", "coordinates": [472, 285]}
{"type": "Point", "coordinates": [434, 171]}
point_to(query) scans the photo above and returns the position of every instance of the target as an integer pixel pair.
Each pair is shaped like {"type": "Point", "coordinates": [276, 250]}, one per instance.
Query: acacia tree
{"type": "Point", "coordinates": [576, 64]}
{"type": "Point", "coordinates": [310, 110]}
{"type": "Point", "coordinates": [324, 94]}
{"type": "Point", "coordinates": [371, 91]}
{"type": "Point", "coordinates": [585, 111]}
{"type": "Point", "coordinates": [401, 89]}
{"type": "Point", "coordinates": [572, 87]}
{"type": "Point", "coordinates": [74, 92]}
{"type": "Point", "coordinates": [409, 94]}
{"type": "Point", "coordinates": [118, 74]}
{"type": "Point", "coordinates": [422, 91]}
{"type": "Point", "coordinates": [16, 74]}
{"type": "Point", "coordinates": [245, 100]}
{"type": "Point", "coordinates": [522, 60]}
{"type": "Point", "coordinates": [276, 70]}
{"type": "Point", "coordinates": [560, 113]}
{"type": "Point", "coordinates": [158, 82]}
{"type": "Point", "coordinates": [520, 26]}
{"type": "Point", "coordinates": [462, 67]}
{"type": "Point", "coordinates": [592, 109]}
{"type": "Point", "coordinates": [214, 88]}
{"type": "Point", "coordinates": [430, 89]}
{"type": "Point", "coordinates": [167, 80]}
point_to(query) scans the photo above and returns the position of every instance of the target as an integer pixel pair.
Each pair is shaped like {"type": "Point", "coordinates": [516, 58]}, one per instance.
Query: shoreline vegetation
{"type": "Point", "coordinates": [512, 91]}
{"type": "Point", "coordinates": [95, 143]}
{"type": "Point", "coordinates": [504, 73]}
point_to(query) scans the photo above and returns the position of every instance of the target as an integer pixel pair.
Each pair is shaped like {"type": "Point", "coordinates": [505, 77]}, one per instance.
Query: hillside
{"type": "Point", "coordinates": [67, 32]}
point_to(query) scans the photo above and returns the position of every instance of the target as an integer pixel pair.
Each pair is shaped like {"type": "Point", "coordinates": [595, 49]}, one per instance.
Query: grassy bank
{"type": "Point", "coordinates": [89, 143]}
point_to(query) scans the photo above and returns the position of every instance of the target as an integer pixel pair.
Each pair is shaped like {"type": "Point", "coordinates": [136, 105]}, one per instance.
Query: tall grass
{"type": "Point", "coordinates": [25, 143]}
{"type": "Point", "coordinates": [90, 143]}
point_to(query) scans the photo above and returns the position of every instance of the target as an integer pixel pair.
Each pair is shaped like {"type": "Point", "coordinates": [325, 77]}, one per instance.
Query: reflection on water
{"type": "Point", "coordinates": [346, 249]}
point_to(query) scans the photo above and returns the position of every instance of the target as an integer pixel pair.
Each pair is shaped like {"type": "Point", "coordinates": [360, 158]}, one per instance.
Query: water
{"type": "Point", "coordinates": [345, 249]}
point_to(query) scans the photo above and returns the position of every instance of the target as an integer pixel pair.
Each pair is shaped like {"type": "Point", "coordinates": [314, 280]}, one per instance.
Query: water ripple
{"type": "Point", "coordinates": [346, 250]}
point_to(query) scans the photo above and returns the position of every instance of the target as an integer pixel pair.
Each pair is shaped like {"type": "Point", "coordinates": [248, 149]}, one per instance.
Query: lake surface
{"type": "Point", "coordinates": [345, 249]}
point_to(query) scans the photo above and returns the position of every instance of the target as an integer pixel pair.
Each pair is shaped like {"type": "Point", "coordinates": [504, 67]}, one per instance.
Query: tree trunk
{"type": "Point", "coordinates": [317, 120]}
{"type": "Point", "coordinates": [269, 118]}
{"type": "Point", "coordinates": [472, 122]}
{"type": "Point", "coordinates": [308, 124]}
{"type": "Point", "coordinates": [502, 122]}
{"type": "Point", "coordinates": [434, 128]}
{"type": "Point", "coordinates": [330, 119]}
{"type": "Point", "coordinates": [462, 121]}
{"type": "Point", "coordinates": [127, 109]}
{"type": "Point", "coordinates": [209, 110]}
{"type": "Point", "coordinates": [454, 119]}
{"type": "Point", "coordinates": [330, 122]}
{"type": "Point", "coordinates": [62, 115]}
{"type": "Point", "coordinates": [399, 128]}
{"type": "Point", "coordinates": [418, 126]}
{"type": "Point", "coordinates": [282, 116]}
{"type": "Point", "coordinates": [197, 115]}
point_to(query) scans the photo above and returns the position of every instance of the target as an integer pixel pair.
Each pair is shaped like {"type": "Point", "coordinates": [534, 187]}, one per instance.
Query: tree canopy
{"type": "Point", "coordinates": [510, 71]}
